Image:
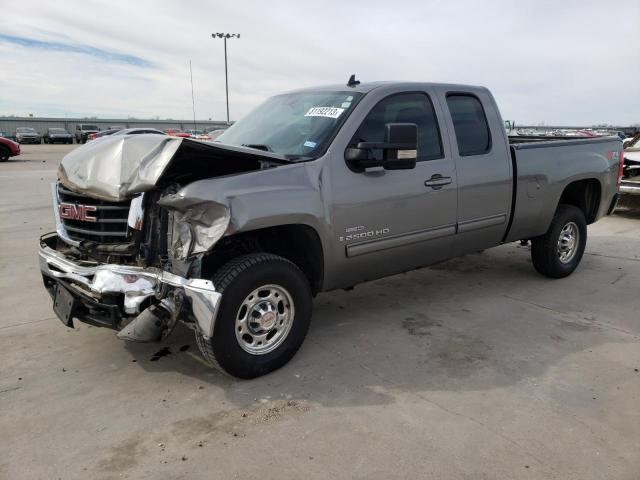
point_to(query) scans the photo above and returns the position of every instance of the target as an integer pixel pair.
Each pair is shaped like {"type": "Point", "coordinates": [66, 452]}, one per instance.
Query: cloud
{"type": "Point", "coordinates": [570, 62]}
{"type": "Point", "coordinates": [105, 55]}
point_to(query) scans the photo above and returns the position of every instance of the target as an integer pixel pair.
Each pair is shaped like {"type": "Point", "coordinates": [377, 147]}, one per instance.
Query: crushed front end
{"type": "Point", "coordinates": [130, 243]}
{"type": "Point", "coordinates": [109, 265]}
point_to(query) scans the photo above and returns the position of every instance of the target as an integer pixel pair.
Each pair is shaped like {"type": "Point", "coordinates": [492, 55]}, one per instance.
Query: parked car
{"type": "Point", "coordinates": [57, 135]}
{"type": "Point", "coordinates": [83, 130]}
{"type": "Point", "coordinates": [8, 148]}
{"type": "Point", "coordinates": [27, 135]}
{"type": "Point", "coordinates": [128, 131]}
{"type": "Point", "coordinates": [213, 134]}
{"type": "Point", "coordinates": [234, 238]}
{"type": "Point", "coordinates": [103, 133]}
{"type": "Point", "coordinates": [631, 169]}
{"type": "Point", "coordinates": [198, 135]}
{"type": "Point", "coordinates": [175, 132]}
{"type": "Point", "coordinates": [631, 141]}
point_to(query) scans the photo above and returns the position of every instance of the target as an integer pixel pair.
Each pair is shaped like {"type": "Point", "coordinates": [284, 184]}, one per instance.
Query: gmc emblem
{"type": "Point", "coordinates": [72, 211]}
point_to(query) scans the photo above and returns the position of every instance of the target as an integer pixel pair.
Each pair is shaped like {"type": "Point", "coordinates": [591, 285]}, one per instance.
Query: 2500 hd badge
{"type": "Point", "coordinates": [358, 234]}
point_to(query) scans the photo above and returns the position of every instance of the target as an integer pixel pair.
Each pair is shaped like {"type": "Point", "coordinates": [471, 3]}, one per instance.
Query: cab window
{"type": "Point", "coordinates": [403, 108]}
{"type": "Point", "coordinates": [470, 124]}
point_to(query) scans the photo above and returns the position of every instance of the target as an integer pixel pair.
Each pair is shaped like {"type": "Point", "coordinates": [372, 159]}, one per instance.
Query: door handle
{"type": "Point", "coordinates": [437, 181]}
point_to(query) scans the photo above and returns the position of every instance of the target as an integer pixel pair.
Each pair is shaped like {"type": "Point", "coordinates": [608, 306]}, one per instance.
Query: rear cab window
{"type": "Point", "coordinates": [470, 124]}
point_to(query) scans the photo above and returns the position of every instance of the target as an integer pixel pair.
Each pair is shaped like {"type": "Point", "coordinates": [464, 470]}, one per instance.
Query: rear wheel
{"type": "Point", "coordinates": [263, 317]}
{"type": "Point", "coordinates": [558, 252]}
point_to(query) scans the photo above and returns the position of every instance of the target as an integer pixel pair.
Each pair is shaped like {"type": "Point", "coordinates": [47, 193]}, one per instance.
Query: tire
{"type": "Point", "coordinates": [4, 153]}
{"type": "Point", "coordinates": [250, 277]}
{"type": "Point", "coordinates": [557, 253]}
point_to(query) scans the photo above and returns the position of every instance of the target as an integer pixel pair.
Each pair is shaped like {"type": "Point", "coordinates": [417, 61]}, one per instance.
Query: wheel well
{"type": "Point", "coordinates": [297, 243]}
{"type": "Point", "coordinates": [584, 194]}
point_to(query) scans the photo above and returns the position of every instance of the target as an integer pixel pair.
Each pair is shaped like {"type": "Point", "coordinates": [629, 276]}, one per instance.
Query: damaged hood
{"type": "Point", "coordinates": [116, 168]}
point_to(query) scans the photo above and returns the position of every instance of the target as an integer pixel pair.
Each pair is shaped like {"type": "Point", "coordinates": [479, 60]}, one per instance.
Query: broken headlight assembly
{"type": "Point", "coordinates": [196, 228]}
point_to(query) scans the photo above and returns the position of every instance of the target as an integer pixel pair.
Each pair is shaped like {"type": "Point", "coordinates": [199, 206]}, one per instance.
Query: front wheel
{"type": "Point", "coordinates": [4, 153]}
{"type": "Point", "coordinates": [264, 315]}
{"type": "Point", "coordinates": [558, 252]}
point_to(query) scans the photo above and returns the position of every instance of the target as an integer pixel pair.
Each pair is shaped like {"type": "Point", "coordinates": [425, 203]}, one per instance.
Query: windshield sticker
{"type": "Point", "coordinates": [346, 104]}
{"type": "Point", "coordinates": [330, 112]}
{"type": "Point", "coordinates": [349, 98]}
{"type": "Point", "coordinates": [310, 144]}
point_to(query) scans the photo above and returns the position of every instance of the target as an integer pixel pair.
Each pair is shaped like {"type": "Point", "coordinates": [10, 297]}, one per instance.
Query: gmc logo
{"type": "Point", "coordinates": [72, 211]}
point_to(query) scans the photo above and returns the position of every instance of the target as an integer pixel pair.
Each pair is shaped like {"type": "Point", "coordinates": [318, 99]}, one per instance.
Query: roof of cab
{"type": "Point", "coordinates": [369, 86]}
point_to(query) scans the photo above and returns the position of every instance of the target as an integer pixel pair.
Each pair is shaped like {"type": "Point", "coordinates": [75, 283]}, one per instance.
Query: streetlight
{"type": "Point", "coordinates": [224, 36]}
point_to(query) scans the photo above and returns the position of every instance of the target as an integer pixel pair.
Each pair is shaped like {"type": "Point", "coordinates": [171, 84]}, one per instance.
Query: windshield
{"type": "Point", "coordinates": [296, 125]}
{"type": "Point", "coordinates": [25, 130]}
{"type": "Point", "coordinates": [89, 127]}
{"type": "Point", "coordinates": [57, 130]}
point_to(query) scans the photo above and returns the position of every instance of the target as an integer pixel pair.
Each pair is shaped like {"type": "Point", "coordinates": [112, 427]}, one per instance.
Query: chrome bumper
{"type": "Point", "coordinates": [632, 188]}
{"type": "Point", "coordinates": [135, 283]}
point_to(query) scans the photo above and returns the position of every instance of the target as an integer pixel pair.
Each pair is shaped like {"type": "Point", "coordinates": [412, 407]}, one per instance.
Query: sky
{"type": "Point", "coordinates": [558, 62]}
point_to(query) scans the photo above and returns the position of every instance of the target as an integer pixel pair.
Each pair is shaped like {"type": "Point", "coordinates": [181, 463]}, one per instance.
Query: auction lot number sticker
{"type": "Point", "coordinates": [330, 112]}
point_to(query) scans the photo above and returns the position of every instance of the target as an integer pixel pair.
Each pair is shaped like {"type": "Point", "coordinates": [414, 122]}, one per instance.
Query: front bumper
{"type": "Point", "coordinates": [119, 292]}
{"type": "Point", "coordinates": [29, 140]}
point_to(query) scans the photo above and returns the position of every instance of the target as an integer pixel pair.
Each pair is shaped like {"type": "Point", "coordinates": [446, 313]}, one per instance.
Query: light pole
{"type": "Point", "coordinates": [224, 36]}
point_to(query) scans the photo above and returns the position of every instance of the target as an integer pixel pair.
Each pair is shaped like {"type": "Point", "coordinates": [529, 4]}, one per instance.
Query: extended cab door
{"type": "Point", "coordinates": [388, 221]}
{"type": "Point", "coordinates": [483, 164]}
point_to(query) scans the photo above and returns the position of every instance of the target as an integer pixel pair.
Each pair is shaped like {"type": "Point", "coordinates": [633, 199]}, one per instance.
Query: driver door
{"type": "Point", "coordinates": [388, 221]}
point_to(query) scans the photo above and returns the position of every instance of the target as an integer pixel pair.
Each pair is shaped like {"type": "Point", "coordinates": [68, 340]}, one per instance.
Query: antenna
{"type": "Point", "coordinates": [352, 81]}
{"type": "Point", "coordinates": [193, 102]}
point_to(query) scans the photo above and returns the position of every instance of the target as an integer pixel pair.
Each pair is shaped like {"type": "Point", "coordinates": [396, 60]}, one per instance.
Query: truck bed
{"type": "Point", "coordinates": [517, 139]}
{"type": "Point", "coordinates": [544, 168]}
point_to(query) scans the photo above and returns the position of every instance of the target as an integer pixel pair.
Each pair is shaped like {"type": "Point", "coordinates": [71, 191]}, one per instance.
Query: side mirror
{"type": "Point", "coordinates": [399, 149]}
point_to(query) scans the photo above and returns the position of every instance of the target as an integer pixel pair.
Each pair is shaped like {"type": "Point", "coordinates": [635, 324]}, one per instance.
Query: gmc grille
{"type": "Point", "coordinates": [111, 218]}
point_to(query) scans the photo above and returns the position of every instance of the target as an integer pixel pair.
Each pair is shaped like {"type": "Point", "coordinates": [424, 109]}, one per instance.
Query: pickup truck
{"type": "Point", "coordinates": [83, 130]}
{"type": "Point", "coordinates": [316, 190]}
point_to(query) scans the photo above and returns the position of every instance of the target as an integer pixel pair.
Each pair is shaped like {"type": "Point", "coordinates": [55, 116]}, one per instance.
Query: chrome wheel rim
{"type": "Point", "coordinates": [568, 242]}
{"type": "Point", "coordinates": [264, 319]}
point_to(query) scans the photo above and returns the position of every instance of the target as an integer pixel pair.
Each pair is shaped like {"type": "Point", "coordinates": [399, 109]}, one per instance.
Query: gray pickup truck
{"type": "Point", "coordinates": [315, 190]}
